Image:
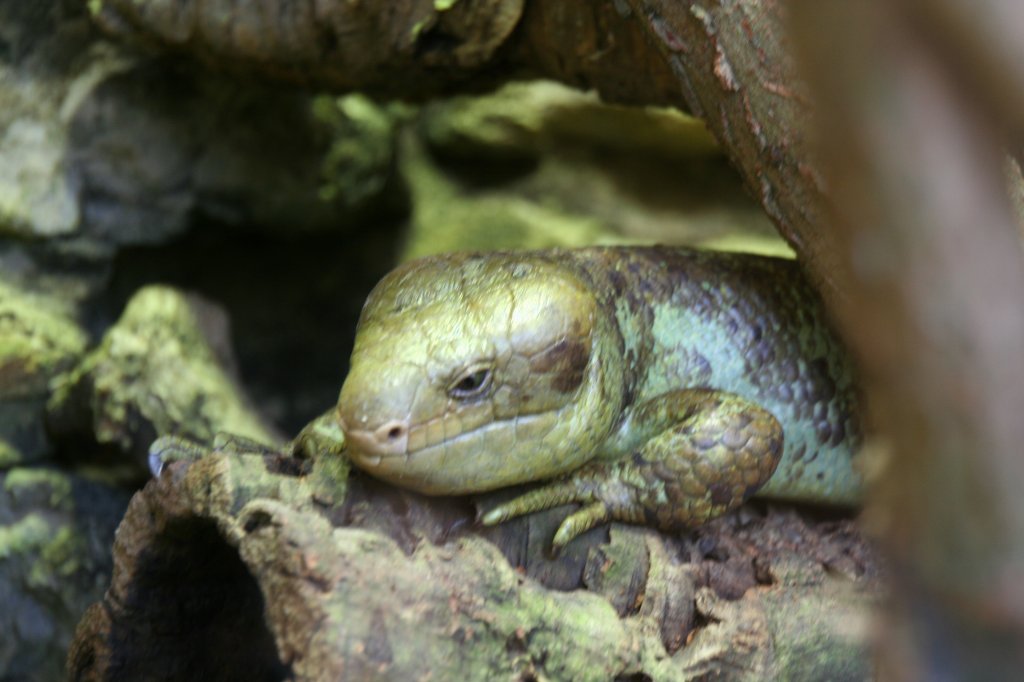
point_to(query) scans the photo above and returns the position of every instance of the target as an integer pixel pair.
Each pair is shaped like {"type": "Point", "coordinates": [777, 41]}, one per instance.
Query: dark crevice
{"type": "Point", "coordinates": [292, 300]}
{"type": "Point", "coordinates": [192, 612]}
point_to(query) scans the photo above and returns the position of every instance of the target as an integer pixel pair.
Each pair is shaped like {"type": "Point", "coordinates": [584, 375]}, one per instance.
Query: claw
{"type": "Point", "coordinates": [171, 449]}
{"type": "Point", "coordinates": [578, 523]}
{"type": "Point", "coordinates": [167, 449]}
{"type": "Point", "coordinates": [542, 498]}
{"type": "Point", "coordinates": [156, 463]}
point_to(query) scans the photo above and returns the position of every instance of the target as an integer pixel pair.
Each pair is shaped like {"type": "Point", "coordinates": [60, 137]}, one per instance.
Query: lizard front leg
{"type": "Point", "coordinates": [321, 437]}
{"type": "Point", "coordinates": [167, 449]}
{"type": "Point", "coordinates": [708, 453]}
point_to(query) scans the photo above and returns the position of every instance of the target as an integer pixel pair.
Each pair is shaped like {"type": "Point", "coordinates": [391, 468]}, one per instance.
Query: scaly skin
{"type": "Point", "coordinates": [661, 384]}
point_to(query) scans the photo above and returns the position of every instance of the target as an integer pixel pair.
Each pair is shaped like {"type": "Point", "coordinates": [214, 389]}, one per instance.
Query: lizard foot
{"type": "Point", "coordinates": [166, 449]}
{"type": "Point", "coordinates": [684, 476]}
{"type": "Point", "coordinates": [604, 491]}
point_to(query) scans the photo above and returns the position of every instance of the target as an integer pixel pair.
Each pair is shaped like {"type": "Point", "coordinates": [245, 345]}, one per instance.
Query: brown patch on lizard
{"type": "Point", "coordinates": [566, 361]}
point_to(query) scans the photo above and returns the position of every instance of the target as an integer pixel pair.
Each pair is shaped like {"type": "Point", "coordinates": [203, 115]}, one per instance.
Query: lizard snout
{"type": "Point", "coordinates": [387, 440]}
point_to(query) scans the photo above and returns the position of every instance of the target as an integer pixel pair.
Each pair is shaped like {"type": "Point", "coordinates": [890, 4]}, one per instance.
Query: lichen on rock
{"type": "Point", "coordinates": [55, 532]}
{"type": "Point", "coordinates": [163, 369]}
{"type": "Point", "coordinates": [39, 338]}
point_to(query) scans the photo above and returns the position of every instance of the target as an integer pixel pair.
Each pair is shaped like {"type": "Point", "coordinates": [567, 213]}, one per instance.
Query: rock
{"type": "Point", "coordinates": [526, 119]}
{"type": "Point", "coordinates": [38, 339]}
{"type": "Point", "coordinates": [101, 147]}
{"type": "Point", "coordinates": [159, 147]}
{"type": "Point", "coordinates": [38, 191]}
{"type": "Point", "coordinates": [447, 215]}
{"type": "Point", "coordinates": [358, 169]}
{"type": "Point", "coordinates": [163, 369]}
{"type": "Point", "coordinates": [55, 534]}
{"type": "Point", "coordinates": [536, 165]}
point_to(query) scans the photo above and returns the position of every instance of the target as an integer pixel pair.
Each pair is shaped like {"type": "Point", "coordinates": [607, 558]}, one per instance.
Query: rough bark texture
{"type": "Point", "coordinates": [268, 586]}
{"type": "Point", "coordinates": [407, 48]}
{"type": "Point", "coordinates": [735, 70]}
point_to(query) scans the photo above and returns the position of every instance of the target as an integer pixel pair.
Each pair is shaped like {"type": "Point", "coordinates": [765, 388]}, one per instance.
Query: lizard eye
{"type": "Point", "coordinates": [471, 383]}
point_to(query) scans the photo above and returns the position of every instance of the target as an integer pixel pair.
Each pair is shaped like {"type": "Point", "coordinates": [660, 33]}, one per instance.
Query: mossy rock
{"type": "Point", "coordinates": [55, 533]}
{"type": "Point", "coordinates": [164, 368]}
{"type": "Point", "coordinates": [39, 338]}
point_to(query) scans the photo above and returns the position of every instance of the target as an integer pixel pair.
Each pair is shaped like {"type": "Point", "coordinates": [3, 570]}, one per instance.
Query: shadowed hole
{"type": "Point", "coordinates": [192, 612]}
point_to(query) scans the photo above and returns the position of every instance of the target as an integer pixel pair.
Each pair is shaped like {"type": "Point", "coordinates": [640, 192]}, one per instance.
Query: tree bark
{"type": "Point", "coordinates": [405, 48]}
{"type": "Point", "coordinates": [283, 568]}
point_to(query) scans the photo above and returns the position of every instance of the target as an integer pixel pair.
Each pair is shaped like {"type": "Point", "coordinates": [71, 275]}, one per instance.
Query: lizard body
{"type": "Point", "coordinates": [663, 385]}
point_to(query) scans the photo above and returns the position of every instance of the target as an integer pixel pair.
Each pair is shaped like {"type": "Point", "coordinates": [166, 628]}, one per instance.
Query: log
{"type": "Point", "coordinates": [261, 566]}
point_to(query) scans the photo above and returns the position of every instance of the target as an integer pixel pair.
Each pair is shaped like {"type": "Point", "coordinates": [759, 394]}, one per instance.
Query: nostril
{"type": "Point", "coordinates": [390, 433]}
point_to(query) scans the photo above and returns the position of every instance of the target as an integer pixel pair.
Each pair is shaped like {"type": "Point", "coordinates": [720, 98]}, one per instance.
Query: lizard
{"type": "Point", "coordinates": [655, 385]}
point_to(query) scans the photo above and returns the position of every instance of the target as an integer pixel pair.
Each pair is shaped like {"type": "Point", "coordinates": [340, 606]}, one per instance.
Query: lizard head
{"type": "Point", "coordinates": [475, 371]}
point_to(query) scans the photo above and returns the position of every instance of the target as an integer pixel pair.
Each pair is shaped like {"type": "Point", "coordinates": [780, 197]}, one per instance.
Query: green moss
{"type": "Point", "coordinates": [329, 479]}
{"type": "Point", "coordinates": [566, 623]}
{"type": "Point", "coordinates": [323, 441]}
{"type": "Point", "coordinates": [449, 217]}
{"type": "Point", "coordinates": [10, 456]}
{"type": "Point", "coordinates": [820, 634]}
{"type": "Point", "coordinates": [25, 481]}
{"type": "Point", "coordinates": [420, 26]}
{"type": "Point", "coordinates": [38, 339]}
{"type": "Point", "coordinates": [60, 557]}
{"type": "Point", "coordinates": [538, 164]}
{"type": "Point", "coordinates": [763, 244]}
{"type": "Point", "coordinates": [616, 565]}
{"type": "Point", "coordinates": [53, 554]}
{"type": "Point", "coordinates": [536, 117]}
{"type": "Point", "coordinates": [156, 363]}
{"type": "Point", "coordinates": [24, 536]}
{"type": "Point", "coordinates": [358, 163]}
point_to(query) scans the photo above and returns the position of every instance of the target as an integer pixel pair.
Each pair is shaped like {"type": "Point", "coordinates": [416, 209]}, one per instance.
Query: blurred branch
{"type": "Point", "coordinates": [934, 312]}
{"type": "Point", "coordinates": [732, 63]}
{"type": "Point", "coordinates": [984, 36]}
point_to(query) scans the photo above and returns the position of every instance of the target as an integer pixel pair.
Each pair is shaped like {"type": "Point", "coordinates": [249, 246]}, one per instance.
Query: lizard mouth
{"type": "Point", "coordinates": [396, 440]}
{"type": "Point", "coordinates": [492, 455]}
{"type": "Point", "coordinates": [368, 448]}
